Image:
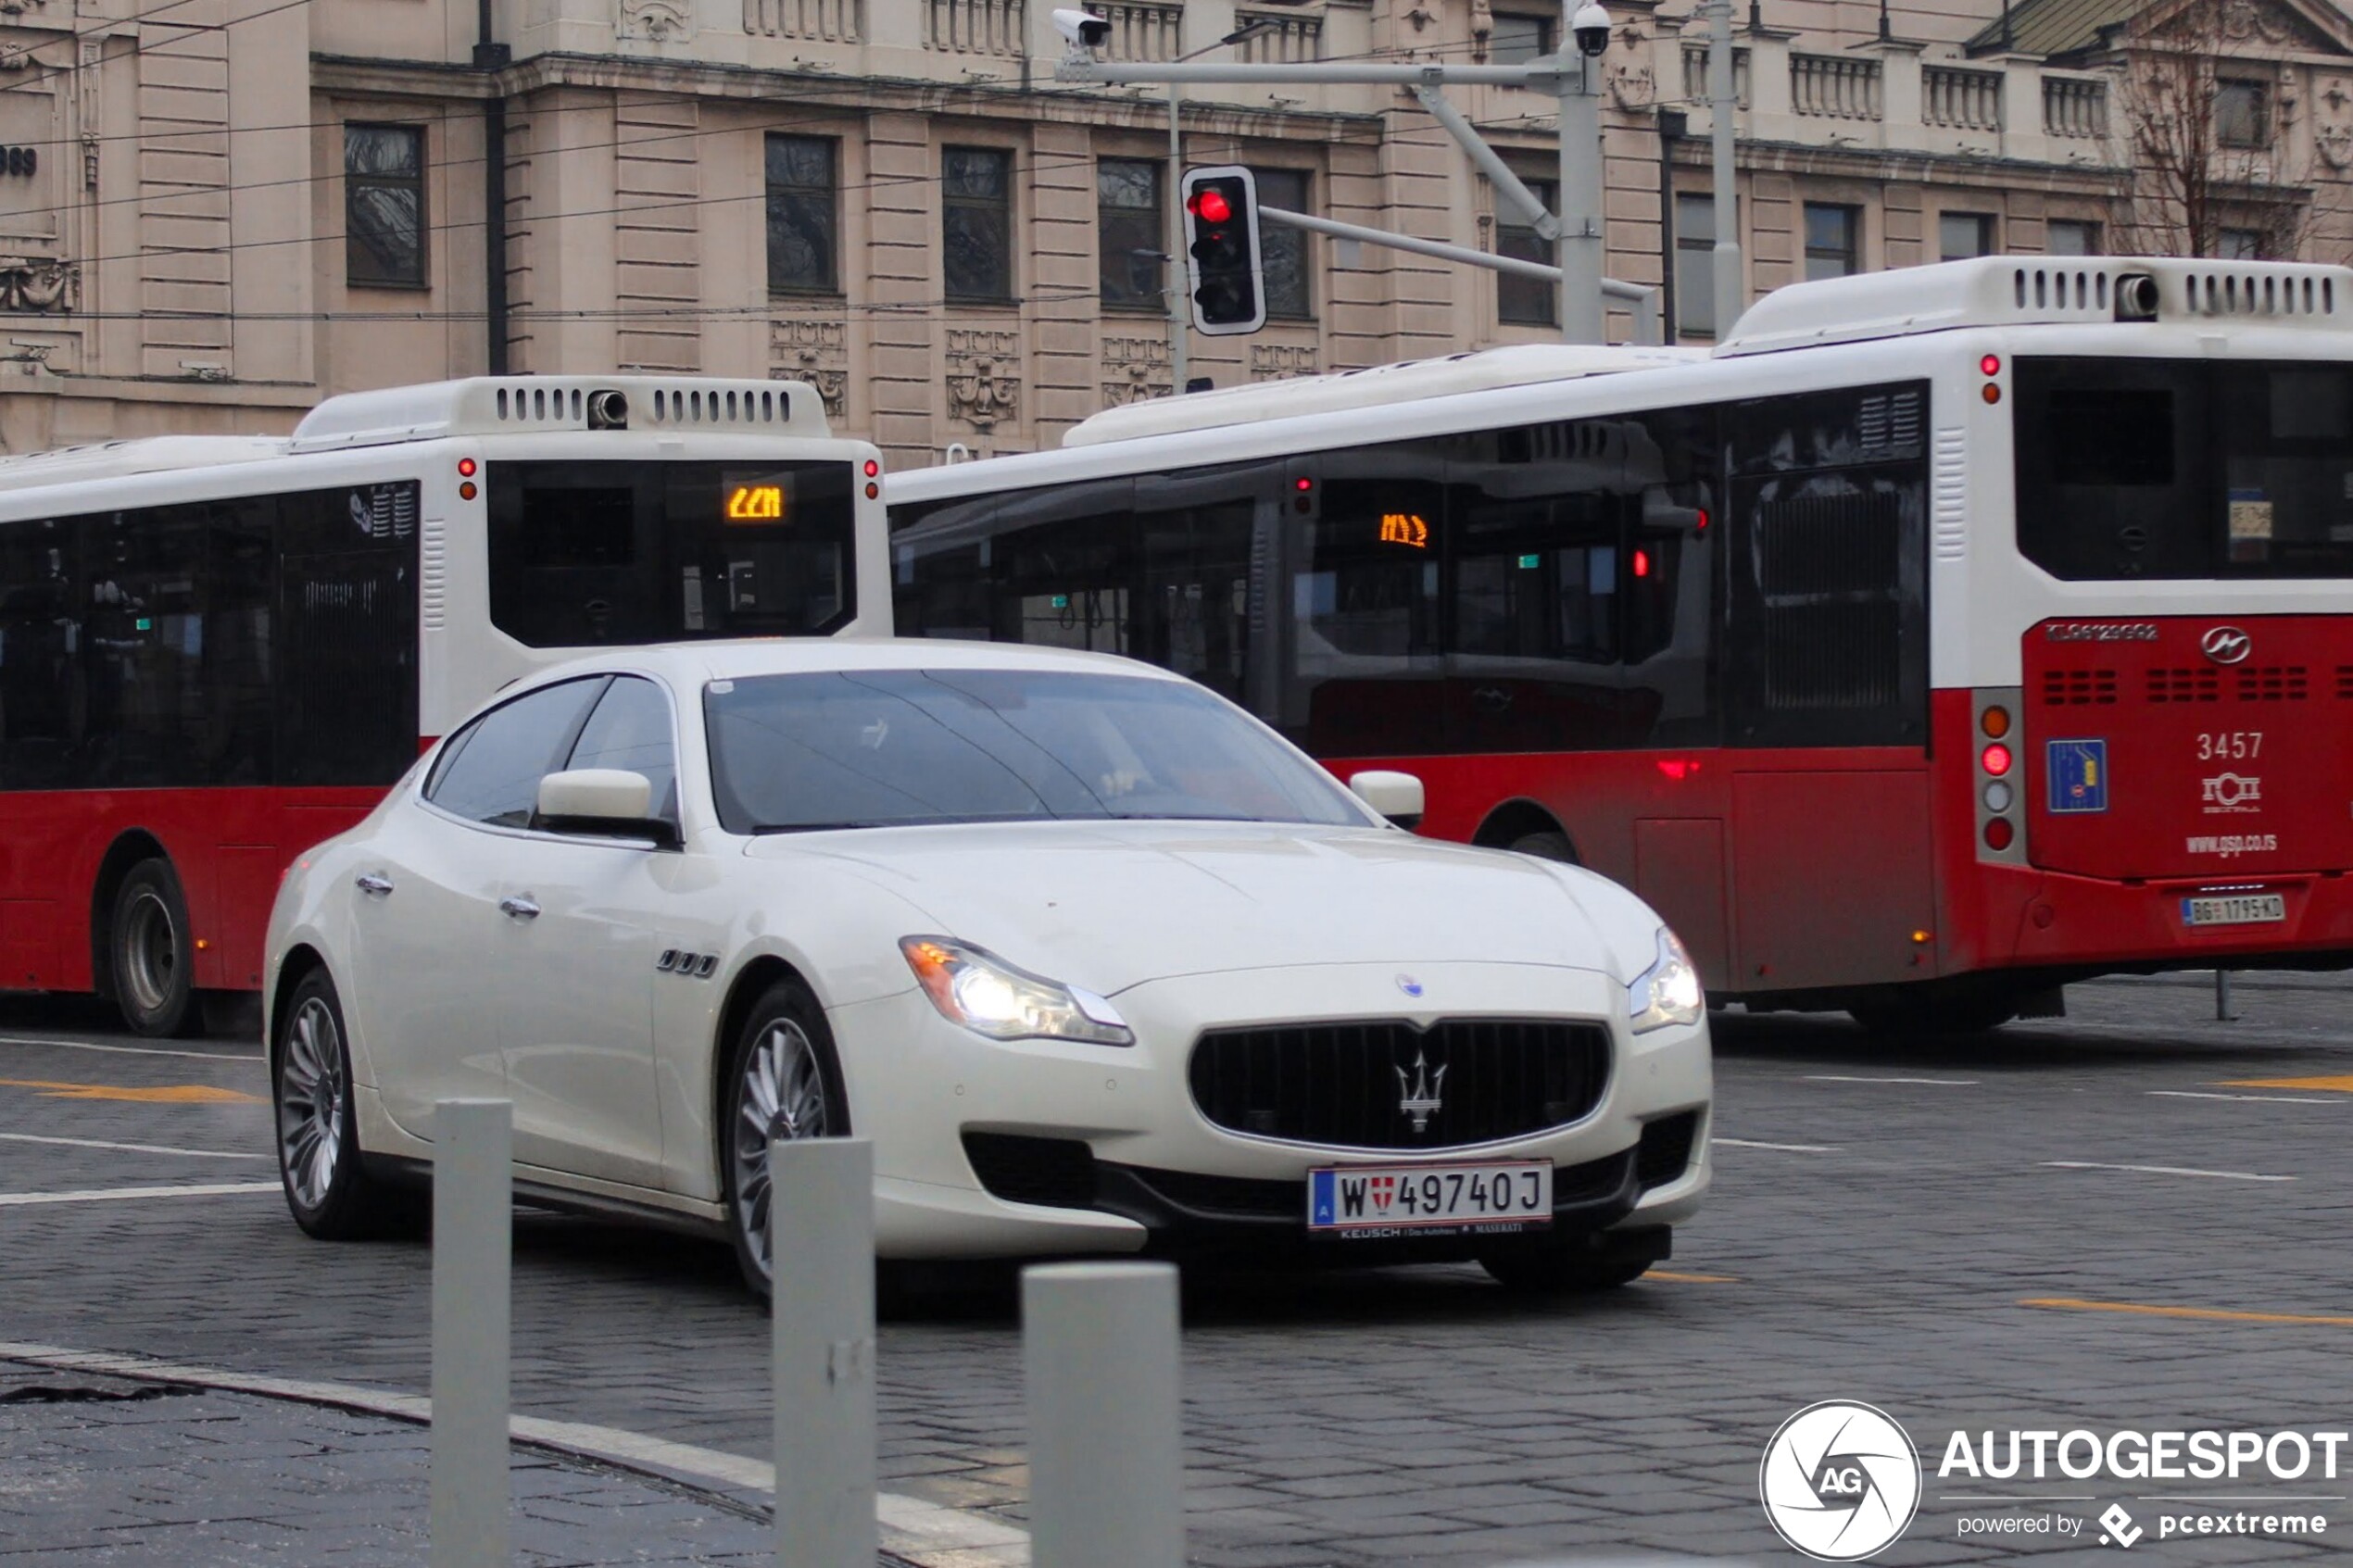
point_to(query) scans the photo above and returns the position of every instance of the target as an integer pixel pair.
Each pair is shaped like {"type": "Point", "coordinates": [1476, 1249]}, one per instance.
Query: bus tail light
{"type": "Point", "coordinates": [1997, 747]}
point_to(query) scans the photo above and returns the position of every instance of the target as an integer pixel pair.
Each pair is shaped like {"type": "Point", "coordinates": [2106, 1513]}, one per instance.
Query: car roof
{"type": "Point", "coordinates": [691, 664]}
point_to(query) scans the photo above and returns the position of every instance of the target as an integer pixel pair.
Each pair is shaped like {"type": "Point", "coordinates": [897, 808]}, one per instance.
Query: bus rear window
{"type": "Point", "coordinates": [2180, 468]}
{"type": "Point", "coordinates": [589, 553]}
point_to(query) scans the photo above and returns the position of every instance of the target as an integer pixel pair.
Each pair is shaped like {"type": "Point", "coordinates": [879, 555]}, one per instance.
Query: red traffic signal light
{"type": "Point", "coordinates": [1222, 260]}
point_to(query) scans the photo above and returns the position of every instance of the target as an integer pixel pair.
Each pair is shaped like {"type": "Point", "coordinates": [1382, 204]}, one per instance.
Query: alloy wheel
{"type": "Point", "coordinates": [311, 1090]}
{"type": "Point", "coordinates": [781, 1096]}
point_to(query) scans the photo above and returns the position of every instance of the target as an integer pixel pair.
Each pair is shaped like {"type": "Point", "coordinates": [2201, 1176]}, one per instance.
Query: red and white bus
{"type": "Point", "coordinates": [1944, 635]}
{"type": "Point", "coordinates": [217, 650]}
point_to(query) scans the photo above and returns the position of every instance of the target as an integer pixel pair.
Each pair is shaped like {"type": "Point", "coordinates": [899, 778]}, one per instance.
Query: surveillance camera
{"type": "Point", "coordinates": [1083, 28]}
{"type": "Point", "coordinates": [1591, 27]}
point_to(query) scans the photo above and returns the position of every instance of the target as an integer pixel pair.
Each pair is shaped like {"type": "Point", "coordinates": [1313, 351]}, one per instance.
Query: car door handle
{"type": "Point", "coordinates": [520, 907]}
{"type": "Point", "coordinates": [372, 881]}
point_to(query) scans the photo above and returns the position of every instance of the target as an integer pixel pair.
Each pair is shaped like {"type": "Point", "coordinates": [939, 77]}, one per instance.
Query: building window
{"type": "Point", "coordinates": [1832, 236]}
{"type": "Point", "coordinates": [1960, 235]}
{"type": "Point", "coordinates": [804, 215]}
{"type": "Point", "coordinates": [1519, 37]}
{"type": "Point", "coordinates": [1695, 265]}
{"type": "Point", "coordinates": [2242, 114]}
{"type": "Point", "coordinates": [1131, 236]}
{"type": "Point", "coordinates": [1528, 301]}
{"type": "Point", "coordinates": [383, 205]}
{"type": "Point", "coordinates": [976, 224]}
{"type": "Point", "coordinates": [1284, 250]}
{"type": "Point", "coordinates": [2072, 236]}
{"type": "Point", "coordinates": [2239, 244]}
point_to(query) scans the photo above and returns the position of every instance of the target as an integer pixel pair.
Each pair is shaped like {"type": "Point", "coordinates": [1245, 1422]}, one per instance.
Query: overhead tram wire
{"type": "Point", "coordinates": [820, 117]}
{"type": "Point", "coordinates": [800, 81]}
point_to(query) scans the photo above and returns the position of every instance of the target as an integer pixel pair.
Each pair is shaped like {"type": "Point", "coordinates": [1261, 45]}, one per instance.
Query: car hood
{"type": "Point", "coordinates": [1110, 905]}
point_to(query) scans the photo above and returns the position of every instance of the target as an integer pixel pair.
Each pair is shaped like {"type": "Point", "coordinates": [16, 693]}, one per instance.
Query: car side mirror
{"type": "Point", "coordinates": [606, 802]}
{"type": "Point", "coordinates": [1395, 795]}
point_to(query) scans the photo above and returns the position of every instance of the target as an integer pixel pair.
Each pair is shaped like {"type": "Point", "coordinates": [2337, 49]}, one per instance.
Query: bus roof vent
{"type": "Point", "coordinates": [2020, 290]}
{"type": "Point", "coordinates": [1521, 365]}
{"type": "Point", "coordinates": [485, 405]}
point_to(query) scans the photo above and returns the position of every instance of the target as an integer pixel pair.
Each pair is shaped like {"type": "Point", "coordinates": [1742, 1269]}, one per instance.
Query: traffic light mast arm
{"type": "Point", "coordinates": [1499, 174]}
{"type": "Point", "coordinates": [1543, 75]}
{"type": "Point", "coordinates": [1641, 299]}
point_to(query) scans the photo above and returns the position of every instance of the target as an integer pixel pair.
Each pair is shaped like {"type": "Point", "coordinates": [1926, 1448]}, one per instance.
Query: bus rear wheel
{"type": "Point", "coordinates": [1922, 1013]}
{"type": "Point", "coordinates": [1553, 845]}
{"type": "Point", "coordinates": [151, 955]}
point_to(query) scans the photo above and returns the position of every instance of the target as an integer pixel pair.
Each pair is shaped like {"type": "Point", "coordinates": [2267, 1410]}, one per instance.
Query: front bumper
{"type": "Point", "coordinates": [1143, 1169]}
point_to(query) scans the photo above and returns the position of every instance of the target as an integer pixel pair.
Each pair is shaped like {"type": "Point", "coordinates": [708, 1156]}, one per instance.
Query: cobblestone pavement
{"type": "Point", "coordinates": [1891, 1223]}
{"type": "Point", "coordinates": [100, 1473]}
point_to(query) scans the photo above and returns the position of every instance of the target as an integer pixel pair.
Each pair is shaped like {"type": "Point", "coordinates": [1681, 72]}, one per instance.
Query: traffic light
{"type": "Point", "coordinates": [1222, 262]}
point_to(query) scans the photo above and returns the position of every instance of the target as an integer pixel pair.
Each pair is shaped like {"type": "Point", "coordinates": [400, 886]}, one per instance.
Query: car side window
{"type": "Point", "coordinates": [492, 769]}
{"type": "Point", "coordinates": [630, 730]}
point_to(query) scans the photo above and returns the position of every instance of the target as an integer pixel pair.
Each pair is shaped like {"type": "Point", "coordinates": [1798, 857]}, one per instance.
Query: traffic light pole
{"type": "Point", "coordinates": [1568, 77]}
{"type": "Point", "coordinates": [1580, 244]}
{"type": "Point", "coordinates": [1172, 269]}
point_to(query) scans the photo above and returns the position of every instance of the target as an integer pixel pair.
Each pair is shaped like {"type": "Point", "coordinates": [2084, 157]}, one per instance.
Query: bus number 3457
{"type": "Point", "coordinates": [2230, 746]}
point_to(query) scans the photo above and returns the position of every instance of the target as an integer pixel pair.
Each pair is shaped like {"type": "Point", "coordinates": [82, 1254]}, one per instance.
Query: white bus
{"type": "Point", "coordinates": [217, 650]}
{"type": "Point", "coordinates": [1944, 635]}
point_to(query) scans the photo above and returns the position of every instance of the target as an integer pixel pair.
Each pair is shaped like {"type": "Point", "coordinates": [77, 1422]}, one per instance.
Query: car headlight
{"type": "Point", "coordinates": [1667, 992]}
{"type": "Point", "coordinates": [974, 987]}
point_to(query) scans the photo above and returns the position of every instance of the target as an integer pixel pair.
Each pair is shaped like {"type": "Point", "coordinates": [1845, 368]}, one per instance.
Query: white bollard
{"type": "Point", "coordinates": [472, 1252]}
{"type": "Point", "coordinates": [1106, 1434]}
{"type": "Point", "coordinates": [821, 1229]}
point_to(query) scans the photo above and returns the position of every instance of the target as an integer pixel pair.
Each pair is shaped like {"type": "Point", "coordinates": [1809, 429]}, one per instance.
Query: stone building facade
{"type": "Point", "coordinates": [215, 212]}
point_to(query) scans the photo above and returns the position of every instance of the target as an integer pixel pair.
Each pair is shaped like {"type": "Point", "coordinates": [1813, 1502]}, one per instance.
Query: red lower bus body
{"type": "Point", "coordinates": [1826, 876]}
{"type": "Point", "coordinates": [66, 851]}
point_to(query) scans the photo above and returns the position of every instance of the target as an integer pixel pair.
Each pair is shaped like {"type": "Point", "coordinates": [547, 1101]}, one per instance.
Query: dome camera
{"type": "Point", "coordinates": [1591, 27]}
{"type": "Point", "coordinates": [1084, 29]}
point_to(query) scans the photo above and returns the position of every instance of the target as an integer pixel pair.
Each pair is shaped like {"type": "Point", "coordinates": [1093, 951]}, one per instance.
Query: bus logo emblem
{"type": "Point", "coordinates": [2226, 645]}
{"type": "Point", "coordinates": [2077, 775]}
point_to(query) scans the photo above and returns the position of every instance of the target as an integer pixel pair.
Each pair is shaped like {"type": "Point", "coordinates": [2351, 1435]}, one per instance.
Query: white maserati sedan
{"type": "Point", "coordinates": [1098, 961]}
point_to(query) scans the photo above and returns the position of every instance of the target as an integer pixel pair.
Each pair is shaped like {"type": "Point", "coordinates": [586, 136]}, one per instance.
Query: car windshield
{"type": "Point", "coordinates": [890, 747]}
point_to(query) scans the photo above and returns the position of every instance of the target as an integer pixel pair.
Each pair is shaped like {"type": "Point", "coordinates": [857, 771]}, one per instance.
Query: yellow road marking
{"type": "Point", "coordinates": [1691, 1279]}
{"type": "Point", "coordinates": [2341, 1083]}
{"type": "Point", "coordinates": [2203, 1314]}
{"type": "Point", "coordinates": [166, 1093]}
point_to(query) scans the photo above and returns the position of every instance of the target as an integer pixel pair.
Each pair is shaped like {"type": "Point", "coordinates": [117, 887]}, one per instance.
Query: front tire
{"type": "Point", "coordinates": [1577, 1267]}
{"type": "Point", "coordinates": [328, 1190]}
{"type": "Point", "coordinates": [150, 952]}
{"type": "Point", "coordinates": [783, 1081]}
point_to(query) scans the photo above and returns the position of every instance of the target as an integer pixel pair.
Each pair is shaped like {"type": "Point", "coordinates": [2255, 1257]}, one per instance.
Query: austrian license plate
{"type": "Point", "coordinates": [2236, 908]}
{"type": "Point", "coordinates": [1376, 1200]}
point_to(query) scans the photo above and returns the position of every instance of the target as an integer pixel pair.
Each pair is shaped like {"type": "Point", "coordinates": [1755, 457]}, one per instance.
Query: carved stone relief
{"type": "Point", "coordinates": [816, 352]}
{"type": "Point", "coordinates": [37, 284]}
{"type": "Point", "coordinates": [1280, 362]}
{"type": "Point", "coordinates": [2333, 136]}
{"type": "Point", "coordinates": [654, 21]}
{"type": "Point", "coordinates": [2243, 22]}
{"type": "Point", "coordinates": [1135, 369]}
{"type": "Point", "coordinates": [1632, 86]}
{"type": "Point", "coordinates": [984, 377]}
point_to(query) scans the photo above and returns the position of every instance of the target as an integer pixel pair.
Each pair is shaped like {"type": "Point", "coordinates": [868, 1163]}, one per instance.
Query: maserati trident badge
{"type": "Point", "coordinates": [1421, 1092]}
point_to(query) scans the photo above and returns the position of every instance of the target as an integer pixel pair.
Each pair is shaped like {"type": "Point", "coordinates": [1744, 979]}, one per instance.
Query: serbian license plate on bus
{"type": "Point", "coordinates": [1429, 1199]}
{"type": "Point", "coordinates": [2237, 908]}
